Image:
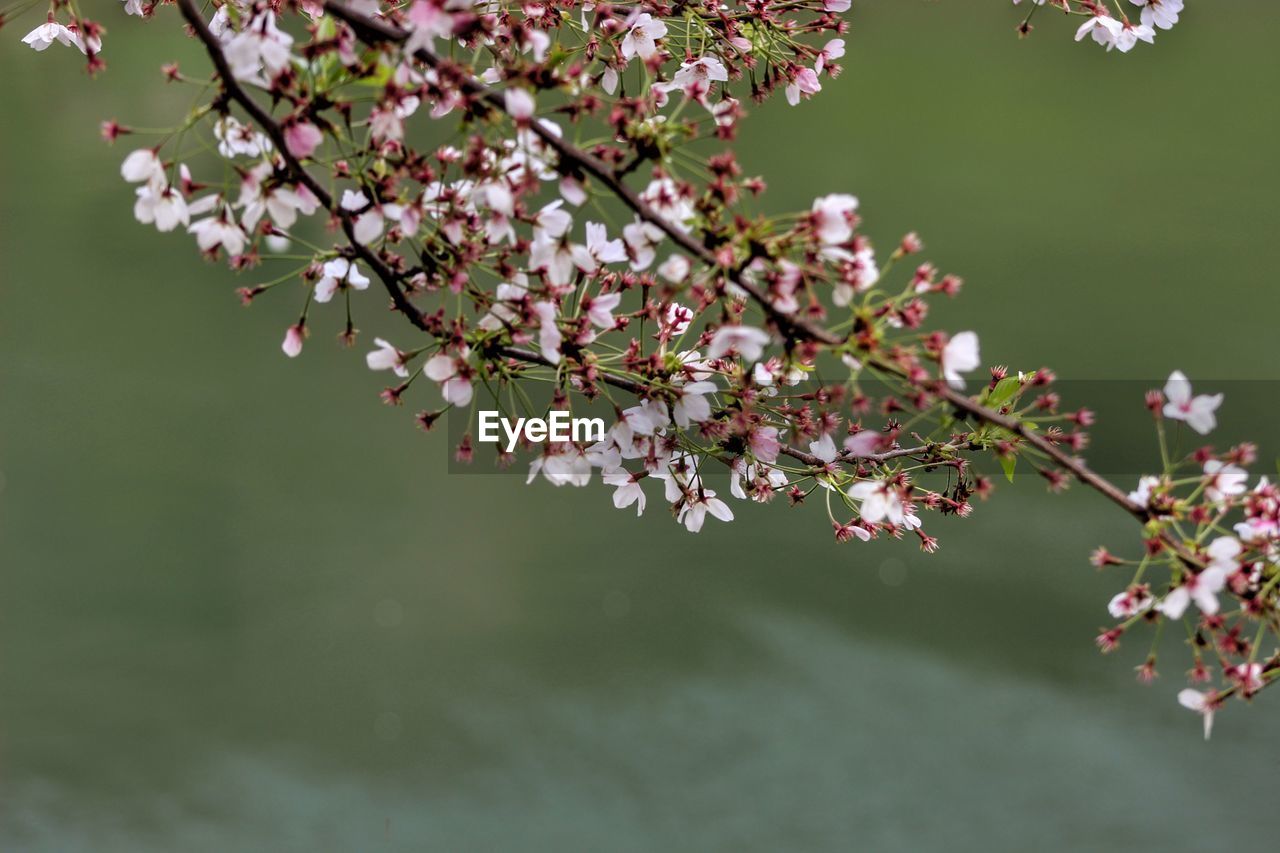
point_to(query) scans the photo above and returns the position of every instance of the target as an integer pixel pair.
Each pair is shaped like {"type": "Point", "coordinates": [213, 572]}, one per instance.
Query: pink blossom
{"type": "Point", "coordinates": [302, 138]}
{"type": "Point", "coordinates": [806, 83]}
{"type": "Point", "coordinates": [387, 357]}
{"type": "Point", "coordinates": [748, 342]}
{"type": "Point", "coordinates": [832, 217]}
{"type": "Point", "coordinates": [519, 104]}
{"type": "Point", "coordinates": [832, 50]}
{"type": "Point", "coordinates": [764, 445]}
{"type": "Point", "coordinates": [293, 336]}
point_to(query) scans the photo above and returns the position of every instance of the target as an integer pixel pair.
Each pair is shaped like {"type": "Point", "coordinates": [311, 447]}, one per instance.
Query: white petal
{"type": "Point", "coordinates": [1178, 389]}
{"type": "Point", "coordinates": [1175, 603]}
{"type": "Point", "coordinates": [439, 367]}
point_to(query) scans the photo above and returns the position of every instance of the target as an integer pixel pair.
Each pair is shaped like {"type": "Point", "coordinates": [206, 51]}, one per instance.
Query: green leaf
{"type": "Point", "coordinates": [1008, 463]}
{"type": "Point", "coordinates": [1004, 391]}
{"type": "Point", "coordinates": [378, 79]}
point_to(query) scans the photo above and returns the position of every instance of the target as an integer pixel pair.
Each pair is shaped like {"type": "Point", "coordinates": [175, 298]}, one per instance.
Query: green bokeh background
{"type": "Point", "coordinates": [245, 608]}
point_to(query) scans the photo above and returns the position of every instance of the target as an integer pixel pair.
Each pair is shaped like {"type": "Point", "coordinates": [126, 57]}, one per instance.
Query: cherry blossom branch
{"type": "Point", "coordinates": [520, 299]}
{"type": "Point", "coordinates": [372, 30]}
{"type": "Point", "coordinates": [574, 159]}
{"type": "Point", "coordinates": [294, 166]}
{"type": "Point", "coordinates": [1073, 465]}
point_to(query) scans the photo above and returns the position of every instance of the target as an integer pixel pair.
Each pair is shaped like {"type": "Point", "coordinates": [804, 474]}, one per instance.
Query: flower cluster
{"type": "Point", "coordinates": [79, 32]}
{"type": "Point", "coordinates": [1101, 24]}
{"type": "Point", "coordinates": [1211, 544]}
{"type": "Point", "coordinates": [545, 194]}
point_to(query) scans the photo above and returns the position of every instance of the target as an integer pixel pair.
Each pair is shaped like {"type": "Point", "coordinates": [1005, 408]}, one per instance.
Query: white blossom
{"type": "Point", "coordinates": [455, 388]}
{"type": "Point", "coordinates": [1159, 13]}
{"type": "Point", "coordinates": [46, 34]}
{"type": "Point", "coordinates": [519, 104]}
{"type": "Point", "coordinates": [162, 205]}
{"type": "Point", "coordinates": [627, 489]}
{"type": "Point", "coordinates": [599, 250]}
{"type": "Point", "coordinates": [339, 273]}
{"type": "Point", "coordinates": [698, 74]}
{"type": "Point", "coordinates": [692, 405]}
{"type": "Point", "coordinates": [824, 448]}
{"type": "Point", "coordinates": [1142, 495]}
{"type": "Point", "coordinates": [601, 311]}
{"type": "Point", "coordinates": [142, 165]}
{"type": "Point", "coordinates": [1104, 29]}
{"type": "Point", "coordinates": [1226, 481]}
{"type": "Point", "coordinates": [220, 230]}
{"type": "Point", "coordinates": [831, 217]}
{"type": "Point", "coordinates": [549, 334]}
{"type": "Point", "coordinates": [878, 502]}
{"type": "Point", "coordinates": [1197, 411]}
{"type": "Point", "coordinates": [260, 46]}
{"type": "Point", "coordinates": [387, 357]}
{"type": "Point", "coordinates": [1129, 603]}
{"type": "Point", "coordinates": [1203, 588]}
{"type": "Point", "coordinates": [747, 341]}
{"type": "Point", "coordinates": [642, 36]}
{"type": "Point", "coordinates": [695, 510]}
{"type": "Point", "coordinates": [235, 138]}
{"type": "Point", "coordinates": [1201, 703]}
{"type": "Point", "coordinates": [960, 355]}
{"type": "Point", "coordinates": [1131, 34]}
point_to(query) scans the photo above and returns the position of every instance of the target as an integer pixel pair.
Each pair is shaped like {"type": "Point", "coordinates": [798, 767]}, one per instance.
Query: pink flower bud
{"type": "Point", "coordinates": [519, 104]}
{"type": "Point", "coordinates": [302, 138]}
{"type": "Point", "coordinates": [293, 336]}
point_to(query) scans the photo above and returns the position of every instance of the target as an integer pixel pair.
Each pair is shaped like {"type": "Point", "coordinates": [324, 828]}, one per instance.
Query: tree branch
{"type": "Point", "coordinates": [572, 160]}
{"type": "Point", "coordinates": [294, 167]}
{"type": "Point", "coordinates": [390, 279]}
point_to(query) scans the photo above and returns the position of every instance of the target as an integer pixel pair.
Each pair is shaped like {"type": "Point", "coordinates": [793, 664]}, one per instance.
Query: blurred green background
{"type": "Point", "coordinates": [244, 608]}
